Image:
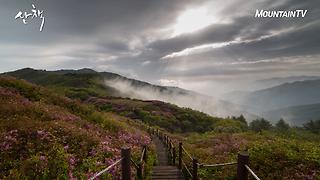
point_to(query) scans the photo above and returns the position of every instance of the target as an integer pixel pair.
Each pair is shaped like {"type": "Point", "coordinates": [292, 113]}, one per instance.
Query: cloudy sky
{"type": "Point", "coordinates": [211, 46]}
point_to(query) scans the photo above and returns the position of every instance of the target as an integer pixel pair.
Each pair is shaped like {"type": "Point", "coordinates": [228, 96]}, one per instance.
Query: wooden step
{"type": "Point", "coordinates": [164, 167]}
{"type": "Point", "coordinates": [170, 171]}
{"type": "Point", "coordinates": [167, 177]}
{"type": "Point", "coordinates": [166, 173]}
{"type": "Point", "coordinates": [163, 171]}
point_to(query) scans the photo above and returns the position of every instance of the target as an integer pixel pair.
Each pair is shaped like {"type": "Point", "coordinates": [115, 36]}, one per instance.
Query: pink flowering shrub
{"type": "Point", "coordinates": [46, 136]}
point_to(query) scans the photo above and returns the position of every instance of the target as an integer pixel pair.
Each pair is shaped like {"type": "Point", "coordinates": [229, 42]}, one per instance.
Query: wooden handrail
{"type": "Point", "coordinates": [186, 152]}
{"type": "Point", "coordinates": [125, 165]}
{"type": "Point", "coordinates": [106, 169]}
{"type": "Point", "coordinates": [252, 173]}
{"type": "Point", "coordinates": [134, 163]}
{"type": "Point", "coordinates": [142, 154]}
{"type": "Point", "coordinates": [217, 165]}
{"type": "Point", "coordinates": [186, 168]}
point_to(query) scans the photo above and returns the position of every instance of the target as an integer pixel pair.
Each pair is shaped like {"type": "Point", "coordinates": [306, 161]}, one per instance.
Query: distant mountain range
{"type": "Point", "coordinates": [272, 82]}
{"type": "Point", "coordinates": [296, 115]}
{"type": "Point", "coordinates": [84, 83]}
{"type": "Point", "coordinates": [295, 102]}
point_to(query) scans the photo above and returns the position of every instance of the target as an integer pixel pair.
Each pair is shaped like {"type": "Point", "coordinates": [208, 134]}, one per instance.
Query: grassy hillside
{"type": "Point", "coordinates": [80, 84]}
{"type": "Point", "coordinates": [47, 136]}
{"type": "Point", "coordinates": [157, 113]}
{"type": "Point", "coordinates": [88, 86]}
{"type": "Point", "coordinates": [273, 155]}
{"type": "Point", "coordinates": [85, 83]}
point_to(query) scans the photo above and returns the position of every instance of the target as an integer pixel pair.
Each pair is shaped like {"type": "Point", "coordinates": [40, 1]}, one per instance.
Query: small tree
{"type": "Point", "coordinates": [313, 126]}
{"type": "Point", "coordinates": [282, 125]}
{"type": "Point", "coordinates": [260, 124]}
{"type": "Point", "coordinates": [241, 118]}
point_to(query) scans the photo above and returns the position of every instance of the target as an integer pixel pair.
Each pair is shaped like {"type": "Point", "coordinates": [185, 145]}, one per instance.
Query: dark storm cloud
{"type": "Point", "coordinates": [247, 28]}
{"type": "Point", "coordinates": [113, 46]}
{"type": "Point", "coordinates": [212, 34]}
{"type": "Point", "coordinates": [81, 29]}
{"type": "Point", "coordinates": [302, 41]}
{"type": "Point", "coordinates": [130, 36]}
{"type": "Point", "coordinates": [297, 42]}
{"type": "Point", "coordinates": [80, 18]}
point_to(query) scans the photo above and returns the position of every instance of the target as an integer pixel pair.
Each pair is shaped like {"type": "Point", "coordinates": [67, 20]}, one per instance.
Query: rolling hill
{"type": "Point", "coordinates": [57, 137]}
{"type": "Point", "coordinates": [44, 135]}
{"type": "Point", "coordinates": [86, 83]}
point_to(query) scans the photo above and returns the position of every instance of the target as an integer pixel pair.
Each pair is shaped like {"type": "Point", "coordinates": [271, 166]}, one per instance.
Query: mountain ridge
{"type": "Point", "coordinates": [295, 115]}
{"type": "Point", "coordinates": [288, 97]}
{"type": "Point", "coordinates": [105, 84]}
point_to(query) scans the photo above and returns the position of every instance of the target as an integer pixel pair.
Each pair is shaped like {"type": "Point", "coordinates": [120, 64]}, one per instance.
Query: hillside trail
{"type": "Point", "coordinates": [164, 171]}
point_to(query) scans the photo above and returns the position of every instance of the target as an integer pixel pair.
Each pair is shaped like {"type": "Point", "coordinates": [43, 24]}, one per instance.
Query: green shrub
{"type": "Point", "coordinates": [260, 124]}
{"type": "Point", "coordinates": [282, 125]}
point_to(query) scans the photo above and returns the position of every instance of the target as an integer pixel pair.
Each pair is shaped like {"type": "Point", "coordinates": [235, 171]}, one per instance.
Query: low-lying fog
{"type": "Point", "coordinates": [180, 97]}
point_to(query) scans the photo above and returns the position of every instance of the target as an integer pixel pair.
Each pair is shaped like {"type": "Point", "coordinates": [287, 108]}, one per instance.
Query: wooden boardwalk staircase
{"type": "Point", "coordinates": [167, 156]}
{"type": "Point", "coordinates": [166, 167]}
{"type": "Point", "coordinates": [187, 164]}
{"type": "Point", "coordinates": [164, 171]}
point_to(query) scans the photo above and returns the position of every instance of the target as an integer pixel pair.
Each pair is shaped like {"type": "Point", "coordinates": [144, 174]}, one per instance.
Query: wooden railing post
{"type": "Point", "coordinates": [167, 140]}
{"type": "Point", "coordinates": [174, 156]}
{"type": "Point", "coordinates": [180, 155]}
{"type": "Point", "coordinates": [125, 164]}
{"type": "Point", "coordinates": [194, 169]}
{"type": "Point", "coordinates": [139, 170]}
{"type": "Point", "coordinates": [243, 159]}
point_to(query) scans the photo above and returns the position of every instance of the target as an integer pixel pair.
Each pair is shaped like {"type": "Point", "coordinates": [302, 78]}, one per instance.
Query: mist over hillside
{"type": "Point", "coordinates": [111, 84]}
{"type": "Point", "coordinates": [180, 97]}
{"type": "Point", "coordinates": [283, 101]}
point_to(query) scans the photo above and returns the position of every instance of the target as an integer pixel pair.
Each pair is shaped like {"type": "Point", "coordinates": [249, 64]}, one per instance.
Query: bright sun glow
{"type": "Point", "coordinates": [192, 20]}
